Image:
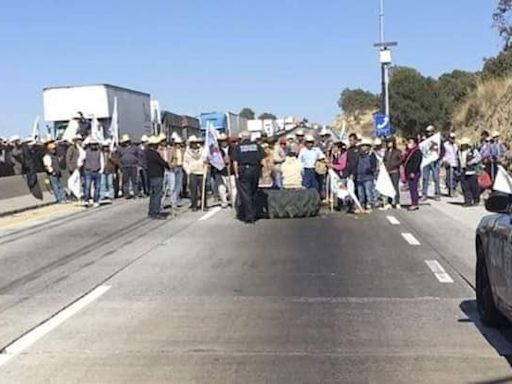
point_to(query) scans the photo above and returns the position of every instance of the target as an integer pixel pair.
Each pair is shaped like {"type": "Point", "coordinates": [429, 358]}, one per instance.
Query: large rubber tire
{"type": "Point", "coordinates": [489, 313]}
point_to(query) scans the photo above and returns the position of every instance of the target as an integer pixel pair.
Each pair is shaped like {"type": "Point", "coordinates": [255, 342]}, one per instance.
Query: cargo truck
{"type": "Point", "coordinates": [227, 122]}
{"type": "Point", "coordinates": [61, 104]}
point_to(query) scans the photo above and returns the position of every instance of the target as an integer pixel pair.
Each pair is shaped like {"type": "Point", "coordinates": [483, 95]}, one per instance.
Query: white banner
{"type": "Point", "coordinates": [343, 190]}
{"type": "Point", "coordinates": [213, 152]}
{"type": "Point", "coordinates": [75, 184]}
{"type": "Point", "coordinates": [503, 181]}
{"type": "Point", "coordinates": [430, 149]}
{"type": "Point", "coordinates": [114, 126]}
{"type": "Point", "coordinates": [384, 184]}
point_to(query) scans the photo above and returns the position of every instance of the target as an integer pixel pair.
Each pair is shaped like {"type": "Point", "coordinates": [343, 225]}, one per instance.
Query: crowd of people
{"type": "Point", "coordinates": [297, 161]}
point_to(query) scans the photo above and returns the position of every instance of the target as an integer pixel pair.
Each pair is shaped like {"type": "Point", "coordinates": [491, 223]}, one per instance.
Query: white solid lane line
{"type": "Point", "coordinates": [210, 214]}
{"type": "Point", "coordinates": [410, 239]}
{"type": "Point", "coordinates": [393, 220]}
{"type": "Point", "coordinates": [31, 337]}
{"type": "Point", "coordinates": [439, 272]}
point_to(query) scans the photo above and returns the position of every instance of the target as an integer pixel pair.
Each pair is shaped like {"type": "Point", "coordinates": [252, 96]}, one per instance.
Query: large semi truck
{"type": "Point", "coordinates": [62, 104]}
{"type": "Point", "coordinates": [227, 122]}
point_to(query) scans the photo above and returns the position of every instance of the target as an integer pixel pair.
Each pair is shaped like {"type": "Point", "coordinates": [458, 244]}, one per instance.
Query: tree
{"type": "Point", "coordinates": [413, 101]}
{"type": "Point", "coordinates": [247, 113]}
{"type": "Point", "coordinates": [355, 101]}
{"type": "Point", "coordinates": [267, 116]}
{"type": "Point", "coordinates": [498, 66]}
{"type": "Point", "coordinates": [502, 20]}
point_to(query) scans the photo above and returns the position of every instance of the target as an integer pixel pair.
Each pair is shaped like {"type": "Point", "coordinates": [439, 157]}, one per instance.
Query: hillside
{"type": "Point", "coordinates": [362, 123]}
{"type": "Point", "coordinates": [488, 107]}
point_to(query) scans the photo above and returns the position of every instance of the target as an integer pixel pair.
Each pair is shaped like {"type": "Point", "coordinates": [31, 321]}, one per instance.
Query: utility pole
{"type": "Point", "coordinates": [385, 60]}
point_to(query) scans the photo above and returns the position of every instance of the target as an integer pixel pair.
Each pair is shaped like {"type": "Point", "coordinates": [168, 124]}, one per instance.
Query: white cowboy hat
{"type": "Point", "coordinates": [366, 141]}
{"type": "Point", "coordinates": [495, 134]}
{"type": "Point", "coordinates": [162, 137]}
{"type": "Point", "coordinates": [178, 140]}
{"type": "Point", "coordinates": [325, 132]}
{"type": "Point", "coordinates": [107, 143]}
{"type": "Point", "coordinates": [430, 128]}
{"type": "Point", "coordinates": [154, 140]}
{"type": "Point", "coordinates": [300, 132]}
{"type": "Point", "coordinates": [14, 138]}
{"type": "Point", "coordinates": [222, 137]}
{"type": "Point", "coordinates": [309, 139]}
{"type": "Point", "coordinates": [144, 139]}
{"type": "Point", "coordinates": [465, 141]}
{"type": "Point", "coordinates": [125, 138]}
{"type": "Point", "coordinates": [193, 139]}
{"type": "Point", "coordinates": [377, 142]}
{"type": "Point", "coordinates": [290, 137]}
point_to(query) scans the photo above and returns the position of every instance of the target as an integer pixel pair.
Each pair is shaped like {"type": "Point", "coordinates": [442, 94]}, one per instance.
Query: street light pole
{"type": "Point", "coordinates": [385, 60]}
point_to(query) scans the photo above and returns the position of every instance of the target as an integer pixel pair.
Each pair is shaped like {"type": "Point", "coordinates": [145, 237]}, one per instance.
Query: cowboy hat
{"type": "Point", "coordinates": [465, 141]}
{"type": "Point", "coordinates": [452, 135]}
{"type": "Point", "coordinates": [300, 132]}
{"type": "Point", "coordinates": [495, 134]}
{"type": "Point", "coordinates": [365, 141]}
{"type": "Point", "coordinates": [14, 138]}
{"type": "Point", "coordinates": [325, 132]}
{"type": "Point", "coordinates": [290, 137]}
{"type": "Point", "coordinates": [107, 143]}
{"type": "Point", "coordinates": [377, 142]}
{"type": "Point", "coordinates": [144, 139]}
{"type": "Point", "coordinates": [178, 140]}
{"type": "Point", "coordinates": [193, 139]}
{"type": "Point", "coordinates": [125, 139]}
{"type": "Point", "coordinates": [430, 128]}
{"type": "Point", "coordinates": [77, 137]}
{"type": "Point", "coordinates": [154, 140]}
{"type": "Point", "coordinates": [309, 139]}
{"type": "Point", "coordinates": [222, 137]}
{"type": "Point", "coordinates": [92, 140]}
{"type": "Point", "coordinates": [162, 137]}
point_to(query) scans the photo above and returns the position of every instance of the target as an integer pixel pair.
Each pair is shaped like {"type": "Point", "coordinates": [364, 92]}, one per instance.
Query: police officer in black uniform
{"type": "Point", "coordinates": [247, 157]}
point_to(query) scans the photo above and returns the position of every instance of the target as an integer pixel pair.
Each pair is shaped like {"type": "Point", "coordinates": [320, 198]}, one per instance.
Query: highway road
{"type": "Point", "coordinates": [107, 296]}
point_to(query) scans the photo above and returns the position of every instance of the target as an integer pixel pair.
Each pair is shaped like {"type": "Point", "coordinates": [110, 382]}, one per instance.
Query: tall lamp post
{"type": "Point", "coordinates": [385, 60]}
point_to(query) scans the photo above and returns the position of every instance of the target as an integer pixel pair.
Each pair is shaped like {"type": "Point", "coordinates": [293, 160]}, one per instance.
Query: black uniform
{"type": "Point", "coordinates": [248, 155]}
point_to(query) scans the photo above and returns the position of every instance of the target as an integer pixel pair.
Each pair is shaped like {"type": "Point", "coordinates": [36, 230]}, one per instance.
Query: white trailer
{"type": "Point", "coordinates": [236, 124]}
{"type": "Point", "coordinates": [61, 104]}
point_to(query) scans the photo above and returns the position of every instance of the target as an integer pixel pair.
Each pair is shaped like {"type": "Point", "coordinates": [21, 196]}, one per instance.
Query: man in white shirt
{"type": "Point", "coordinates": [308, 157]}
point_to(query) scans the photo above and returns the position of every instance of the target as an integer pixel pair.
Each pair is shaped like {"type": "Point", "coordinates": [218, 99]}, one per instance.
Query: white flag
{"type": "Point", "coordinates": [36, 132]}
{"type": "Point", "coordinates": [75, 184]}
{"type": "Point", "coordinates": [343, 190]}
{"type": "Point", "coordinates": [503, 181]}
{"type": "Point", "coordinates": [430, 149]}
{"type": "Point", "coordinates": [114, 126]}
{"type": "Point", "coordinates": [384, 184]}
{"type": "Point", "coordinates": [213, 152]}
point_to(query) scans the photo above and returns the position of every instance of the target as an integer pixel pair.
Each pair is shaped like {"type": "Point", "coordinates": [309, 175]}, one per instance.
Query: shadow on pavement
{"type": "Point", "coordinates": [503, 380]}
{"type": "Point", "coordinates": [500, 339]}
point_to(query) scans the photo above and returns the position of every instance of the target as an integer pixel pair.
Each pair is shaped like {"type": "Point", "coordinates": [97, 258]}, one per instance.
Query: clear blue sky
{"type": "Point", "coordinates": [289, 57]}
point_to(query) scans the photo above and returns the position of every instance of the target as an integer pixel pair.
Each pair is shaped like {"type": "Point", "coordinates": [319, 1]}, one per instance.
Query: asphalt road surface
{"type": "Point", "coordinates": [107, 296]}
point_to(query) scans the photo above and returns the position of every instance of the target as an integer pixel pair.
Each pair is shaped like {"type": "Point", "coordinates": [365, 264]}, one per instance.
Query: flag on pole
{"type": "Point", "coordinates": [503, 181]}
{"type": "Point", "coordinates": [430, 148]}
{"type": "Point", "coordinates": [384, 185]}
{"type": "Point", "coordinates": [36, 132]}
{"type": "Point", "coordinates": [343, 190]}
{"type": "Point", "coordinates": [114, 126]}
{"type": "Point", "coordinates": [213, 152]}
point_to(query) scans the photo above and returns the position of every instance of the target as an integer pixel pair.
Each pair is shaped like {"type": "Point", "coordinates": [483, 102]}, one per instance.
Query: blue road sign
{"type": "Point", "coordinates": [382, 125]}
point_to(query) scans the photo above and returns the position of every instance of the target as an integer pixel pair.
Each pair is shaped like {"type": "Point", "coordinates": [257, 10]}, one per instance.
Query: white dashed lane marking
{"type": "Point", "coordinates": [410, 239]}
{"type": "Point", "coordinates": [393, 220]}
{"type": "Point", "coordinates": [35, 334]}
{"type": "Point", "coordinates": [439, 272]}
{"type": "Point", "coordinates": [210, 214]}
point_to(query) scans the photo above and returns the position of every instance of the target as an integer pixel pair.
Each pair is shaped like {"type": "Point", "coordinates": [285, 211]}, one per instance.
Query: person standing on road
{"type": "Point", "coordinates": [247, 157]}
{"type": "Point", "coordinates": [93, 168]}
{"type": "Point", "coordinates": [433, 169]}
{"type": "Point", "coordinates": [178, 170]}
{"type": "Point", "coordinates": [52, 167]}
{"type": "Point", "coordinates": [392, 162]}
{"type": "Point", "coordinates": [365, 175]}
{"type": "Point", "coordinates": [156, 169]}
{"type": "Point", "coordinates": [127, 153]}
{"type": "Point", "coordinates": [143, 187]}
{"type": "Point", "coordinates": [352, 156]}
{"type": "Point", "coordinates": [469, 161]}
{"type": "Point", "coordinates": [107, 176]}
{"type": "Point", "coordinates": [450, 163]}
{"type": "Point", "coordinates": [194, 166]}
{"type": "Point", "coordinates": [308, 157]}
{"type": "Point", "coordinates": [412, 165]}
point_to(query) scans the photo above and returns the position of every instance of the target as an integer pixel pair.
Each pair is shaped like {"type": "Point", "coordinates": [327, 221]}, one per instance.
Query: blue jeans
{"type": "Point", "coordinates": [178, 179]}
{"type": "Point", "coordinates": [170, 186]}
{"type": "Point", "coordinates": [58, 190]}
{"type": "Point", "coordinates": [309, 179]}
{"type": "Point", "coordinates": [107, 186]}
{"type": "Point", "coordinates": [90, 179]}
{"type": "Point", "coordinates": [155, 195]}
{"type": "Point", "coordinates": [434, 169]}
{"type": "Point", "coordinates": [365, 192]}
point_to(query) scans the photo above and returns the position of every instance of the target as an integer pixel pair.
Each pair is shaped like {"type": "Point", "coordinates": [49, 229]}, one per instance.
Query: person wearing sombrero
{"type": "Point", "coordinates": [469, 162]}
{"type": "Point", "coordinates": [194, 166]}
{"type": "Point", "coordinates": [308, 156]}
{"type": "Point", "coordinates": [52, 168]}
{"type": "Point", "coordinates": [156, 169]}
{"type": "Point", "coordinates": [93, 167]}
{"type": "Point", "coordinates": [128, 157]}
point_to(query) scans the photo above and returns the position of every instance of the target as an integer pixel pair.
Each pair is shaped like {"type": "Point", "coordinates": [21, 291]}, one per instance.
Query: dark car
{"type": "Point", "coordinates": [494, 262]}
